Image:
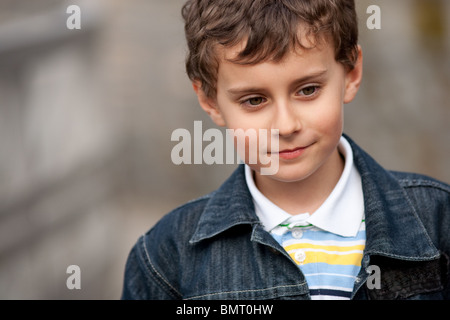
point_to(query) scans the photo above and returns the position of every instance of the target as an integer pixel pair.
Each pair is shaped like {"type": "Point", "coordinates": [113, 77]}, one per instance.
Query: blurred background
{"type": "Point", "coordinates": [86, 118]}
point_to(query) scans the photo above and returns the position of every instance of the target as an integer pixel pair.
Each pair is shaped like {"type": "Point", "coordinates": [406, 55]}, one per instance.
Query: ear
{"type": "Point", "coordinates": [353, 78]}
{"type": "Point", "coordinates": [209, 105]}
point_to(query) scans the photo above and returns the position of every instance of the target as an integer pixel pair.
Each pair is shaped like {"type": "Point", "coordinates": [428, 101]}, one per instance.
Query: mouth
{"type": "Point", "coordinates": [289, 154]}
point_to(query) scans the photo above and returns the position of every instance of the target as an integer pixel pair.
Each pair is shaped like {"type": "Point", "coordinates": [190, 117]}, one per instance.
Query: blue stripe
{"type": "Point", "coordinates": [327, 236]}
{"type": "Point", "coordinates": [330, 268]}
{"type": "Point", "coordinates": [321, 280]}
{"type": "Point", "coordinates": [320, 236]}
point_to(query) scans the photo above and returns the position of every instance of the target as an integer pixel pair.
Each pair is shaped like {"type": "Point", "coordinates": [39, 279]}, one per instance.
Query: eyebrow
{"type": "Point", "coordinates": [317, 75]}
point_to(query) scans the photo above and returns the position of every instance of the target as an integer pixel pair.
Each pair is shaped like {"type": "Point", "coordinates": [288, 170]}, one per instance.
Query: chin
{"type": "Point", "coordinates": [290, 178]}
{"type": "Point", "coordinates": [290, 173]}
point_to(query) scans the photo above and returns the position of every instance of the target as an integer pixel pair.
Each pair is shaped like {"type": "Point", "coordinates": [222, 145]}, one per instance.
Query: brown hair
{"type": "Point", "coordinates": [270, 29]}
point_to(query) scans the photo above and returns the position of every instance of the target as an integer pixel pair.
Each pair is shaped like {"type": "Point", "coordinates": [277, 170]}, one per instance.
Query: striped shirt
{"type": "Point", "coordinates": [329, 261]}
{"type": "Point", "coordinates": [328, 244]}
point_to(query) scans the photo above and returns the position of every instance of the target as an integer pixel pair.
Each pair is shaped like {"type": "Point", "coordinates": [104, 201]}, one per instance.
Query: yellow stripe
{"type": "Point", "coordinates": [335, 259]}
{"type": "Point", "coordinates": [327, 248]}
{"type": "Point", "coordinates": [317, 257]}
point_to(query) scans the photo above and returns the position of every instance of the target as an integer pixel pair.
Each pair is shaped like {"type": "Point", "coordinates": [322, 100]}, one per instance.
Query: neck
{"type": "Point", "coordinates": [305, 195]}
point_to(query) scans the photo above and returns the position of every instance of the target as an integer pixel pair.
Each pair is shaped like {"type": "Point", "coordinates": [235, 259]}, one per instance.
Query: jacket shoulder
{"type": "Point", "coordinates": [154, 258]}
{"type": "Point", "coordinates": [431, 201]}
{"type": "Point", "coordinates": [428, 195]}
{"type": "Point", "coordinates": [177, 226]}
{"type": "Point", "coordinates": [414, 180]}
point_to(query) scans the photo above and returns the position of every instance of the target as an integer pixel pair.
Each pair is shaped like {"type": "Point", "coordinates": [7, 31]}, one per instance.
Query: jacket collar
{"type": "Point", "coordinates": [229, 206]}
{"type": "Point", "coordinates": [393, 227]}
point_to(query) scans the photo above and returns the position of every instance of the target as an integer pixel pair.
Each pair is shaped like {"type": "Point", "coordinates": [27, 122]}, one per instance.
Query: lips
{"type": "Point", "coordinates": [289, 154]}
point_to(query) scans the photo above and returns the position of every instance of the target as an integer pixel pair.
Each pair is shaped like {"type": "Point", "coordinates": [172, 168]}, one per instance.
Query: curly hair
{"type": "Point", "coordinates": [269, 28]}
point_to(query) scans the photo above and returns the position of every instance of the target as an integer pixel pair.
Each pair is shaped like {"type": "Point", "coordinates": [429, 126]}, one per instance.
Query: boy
{"type": "Point", "coordinates": [330, 223]}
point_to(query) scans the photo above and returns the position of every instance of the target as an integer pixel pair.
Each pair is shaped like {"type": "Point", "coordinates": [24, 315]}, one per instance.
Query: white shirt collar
{"type": "Point", "coordinates": [341, 213]}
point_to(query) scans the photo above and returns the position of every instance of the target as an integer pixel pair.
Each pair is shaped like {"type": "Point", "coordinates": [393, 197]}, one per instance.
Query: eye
{"type": "Point", "coordinates": [254, 101]}
{"type": "Point", "coordinates": [309, 91]}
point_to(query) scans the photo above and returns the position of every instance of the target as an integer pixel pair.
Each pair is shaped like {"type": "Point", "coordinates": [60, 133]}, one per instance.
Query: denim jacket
{"type": "Point", "coordinates": [216, 248]}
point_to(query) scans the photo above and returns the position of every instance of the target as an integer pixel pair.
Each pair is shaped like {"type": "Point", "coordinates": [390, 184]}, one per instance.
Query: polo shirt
{"type": "Point", "coordinates": [327, 244]}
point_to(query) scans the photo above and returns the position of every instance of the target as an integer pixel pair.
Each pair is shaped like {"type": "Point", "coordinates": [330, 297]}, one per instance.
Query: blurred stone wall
{"type": "Point", "coordinates": [86, 118]}
{"type": "Point", "coordinates": [402, 113]}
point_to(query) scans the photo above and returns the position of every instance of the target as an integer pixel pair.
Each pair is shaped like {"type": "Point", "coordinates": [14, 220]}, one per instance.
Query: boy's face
{"type": "Point", "coordinates": [302, 96]}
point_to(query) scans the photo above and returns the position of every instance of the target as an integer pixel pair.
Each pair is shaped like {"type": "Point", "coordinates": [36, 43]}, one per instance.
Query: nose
{"type": "Point", "coordinates": [285, 119]}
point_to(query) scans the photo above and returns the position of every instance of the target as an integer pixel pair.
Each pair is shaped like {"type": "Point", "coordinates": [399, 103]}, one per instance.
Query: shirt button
{"type": "Point", "coordinates": [297, 233]}
{"type": "Point", "coordinates": [300, 256]}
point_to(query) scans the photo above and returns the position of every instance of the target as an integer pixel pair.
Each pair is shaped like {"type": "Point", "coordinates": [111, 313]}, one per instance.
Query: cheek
{"type": "Point", "coordinates": [237, 119]}
{"type": "Point", "coordinates": [331, 116]}
{"type": "Point", "coordinates": [327, 118]}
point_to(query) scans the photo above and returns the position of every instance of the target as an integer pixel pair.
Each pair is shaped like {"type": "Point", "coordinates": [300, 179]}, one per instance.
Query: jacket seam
{"type": "Point", "coordinates": [410, 184]}
{"type": "Point", "coordinates": [243, 291]}
{"type": "Point", "coordinates": [152, 270]}
{"type": "Point", "coordinates": [404, 258]}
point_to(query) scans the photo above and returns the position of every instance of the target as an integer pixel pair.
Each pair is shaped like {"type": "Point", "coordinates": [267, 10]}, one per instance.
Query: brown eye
{"type": "Point", "coordinates": [255, 101]}
{"type": "Point", "coordinates": [309, 91]}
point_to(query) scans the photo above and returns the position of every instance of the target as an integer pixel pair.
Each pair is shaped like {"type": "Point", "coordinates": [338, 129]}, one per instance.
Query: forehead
{"type": "Point", "coordinates": [297, 61]}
